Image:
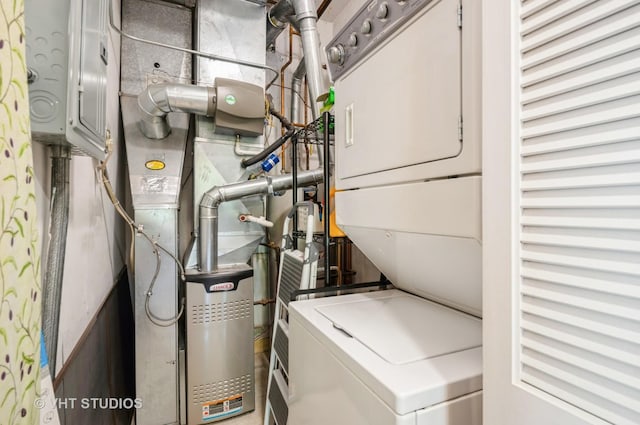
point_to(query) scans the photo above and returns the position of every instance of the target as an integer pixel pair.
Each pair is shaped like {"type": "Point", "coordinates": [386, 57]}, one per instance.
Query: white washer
{"type": "Point", "coordinates": [383, 358]}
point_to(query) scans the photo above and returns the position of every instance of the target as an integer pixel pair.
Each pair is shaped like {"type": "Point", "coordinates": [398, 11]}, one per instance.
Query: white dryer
{"type": "Point", "coordinates": [408, 174]}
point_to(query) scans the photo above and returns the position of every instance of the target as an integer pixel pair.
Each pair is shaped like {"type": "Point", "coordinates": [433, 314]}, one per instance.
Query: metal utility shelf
{"type": "Point", "coordinates": [317, 127]}
{"type": "Point", "coordinates": [314, 134]}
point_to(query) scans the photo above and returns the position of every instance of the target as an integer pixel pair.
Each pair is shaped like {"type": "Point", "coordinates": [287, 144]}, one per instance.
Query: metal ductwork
{"type": "Point", "coordinates": [306, 23]}
{"type": "Point", "coordinates": [277, 18]}
{"type": "Point", "coordinates": [208, 232]}
{"type": "Point", "coordinates": [158, 100]}
{"type": "Point", "coordinates": [296, 90]}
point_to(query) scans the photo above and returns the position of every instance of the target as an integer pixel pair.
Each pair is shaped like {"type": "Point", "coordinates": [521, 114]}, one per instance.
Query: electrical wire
{"type": "Point", "coordinates": [138, 229]}
{"type": "Point", "coordinates": [305, 103]}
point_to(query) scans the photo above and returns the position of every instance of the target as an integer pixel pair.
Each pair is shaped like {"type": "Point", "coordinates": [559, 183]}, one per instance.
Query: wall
{"type": "Point", "coordinates": [95, 239]}
{"type": "Point", "coordinates": [106, 351]}
{"type": "Point", "coordinates": [20, 294]}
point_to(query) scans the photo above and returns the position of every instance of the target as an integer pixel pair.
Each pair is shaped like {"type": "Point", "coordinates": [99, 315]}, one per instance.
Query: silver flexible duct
{"type": "Point", "coordinates": [296, 91]}
{"type": "Point", "coordinates": [208, 232]}
{"type": "Point", "coordinates": [308, 23]}
{"type": "Point", "coordinates": [54, 273]}
{"type": "Point", "coordinates": [160, 99]}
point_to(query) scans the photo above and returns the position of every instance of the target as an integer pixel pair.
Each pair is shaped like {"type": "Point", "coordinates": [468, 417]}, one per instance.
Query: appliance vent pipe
{"type": "Point", "coordinates": [160, 99]}
{"type": "Point", "coordinates": [208, 232]}
{"type": "Point", "coordinates": [306, 23]}
{"type": "Point", "coordinates": [307, 20]}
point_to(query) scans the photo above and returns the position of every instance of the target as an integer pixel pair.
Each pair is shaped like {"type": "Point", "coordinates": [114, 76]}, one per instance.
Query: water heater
{"type": "Point", "coordinates": [67, 59]}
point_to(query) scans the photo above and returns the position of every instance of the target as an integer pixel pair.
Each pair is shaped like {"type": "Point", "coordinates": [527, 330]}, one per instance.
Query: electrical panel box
{"type": "Point", "coordinates": [67, 59]}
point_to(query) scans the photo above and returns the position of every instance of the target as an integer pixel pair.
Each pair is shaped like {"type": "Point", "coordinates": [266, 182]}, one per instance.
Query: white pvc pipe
{"type": "Point", "coordinates": [262, 221]}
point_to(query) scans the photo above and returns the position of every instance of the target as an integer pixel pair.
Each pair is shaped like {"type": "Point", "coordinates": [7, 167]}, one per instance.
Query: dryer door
{"type": "Point", "coordinates": [402, 105]}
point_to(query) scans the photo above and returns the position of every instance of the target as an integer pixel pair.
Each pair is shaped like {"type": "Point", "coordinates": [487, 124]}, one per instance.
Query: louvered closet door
{"type": "Point", "coordinates": [576, 208]}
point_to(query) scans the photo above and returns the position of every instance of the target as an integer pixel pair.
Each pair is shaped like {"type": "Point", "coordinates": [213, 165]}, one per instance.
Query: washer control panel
{"type": "Point", "coordinates": [376, 21]}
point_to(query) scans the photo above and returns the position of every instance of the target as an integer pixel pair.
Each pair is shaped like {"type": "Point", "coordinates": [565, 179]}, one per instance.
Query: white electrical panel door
{"type": "Point", "coordinates": [402, 105]}
{"type": "Point", "coordinates": [93, 65]}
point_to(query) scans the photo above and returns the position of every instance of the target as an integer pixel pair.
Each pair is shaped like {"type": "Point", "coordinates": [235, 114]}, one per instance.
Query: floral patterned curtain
{"type": "Point", "coordinates": [19, 247]}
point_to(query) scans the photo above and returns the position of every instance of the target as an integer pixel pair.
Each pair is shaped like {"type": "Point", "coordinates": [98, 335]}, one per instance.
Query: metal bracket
{"type": "Point", "coordinates": [269, 185]}
{"type": "Point", "coordinates": [314, 254]}
{"type": "Point", "coordinates": [288, 242]}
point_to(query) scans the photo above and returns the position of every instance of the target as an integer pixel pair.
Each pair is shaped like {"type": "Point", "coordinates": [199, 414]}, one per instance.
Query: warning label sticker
{"type": "Point", "coordinates": [221, 408]}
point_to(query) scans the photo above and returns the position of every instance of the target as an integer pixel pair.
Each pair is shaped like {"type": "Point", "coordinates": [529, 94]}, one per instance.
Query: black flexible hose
{"type": "Point", "coordinates": [285, 122]}
{"type": "Point", "coordinates": [265, 153]}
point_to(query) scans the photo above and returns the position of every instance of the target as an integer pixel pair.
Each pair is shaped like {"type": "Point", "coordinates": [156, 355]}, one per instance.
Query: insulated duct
{"type": "Point", "coordinates": [54, 273]}
{"type": "Point", "coordinates": [160, 99]}
{"type": "Point", "coordinates": [208, 232]}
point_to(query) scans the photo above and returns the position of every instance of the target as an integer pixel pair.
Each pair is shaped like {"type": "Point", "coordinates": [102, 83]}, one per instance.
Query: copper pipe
{"type": "Point", "coordinates": [264, 301]}
{"type": "Point", "coordinates": [282, 83]}
{"type": "Point", "coordinates": [282, 69]}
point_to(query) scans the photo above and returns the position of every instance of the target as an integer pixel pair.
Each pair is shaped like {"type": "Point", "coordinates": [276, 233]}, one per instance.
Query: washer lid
{"type": "Point", "coordinates": [401, 330]}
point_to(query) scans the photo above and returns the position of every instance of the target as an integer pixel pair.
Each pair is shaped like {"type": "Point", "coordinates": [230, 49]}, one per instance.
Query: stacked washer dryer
{"type": "Point", "coordinates": [408, 171]}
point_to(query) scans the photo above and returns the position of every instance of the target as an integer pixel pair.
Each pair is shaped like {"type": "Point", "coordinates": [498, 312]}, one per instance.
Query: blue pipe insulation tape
{"type": "Point", "coordinates": [270, 162]}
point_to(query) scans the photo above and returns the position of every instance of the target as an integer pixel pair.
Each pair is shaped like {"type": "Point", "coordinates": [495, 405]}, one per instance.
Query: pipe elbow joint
{"type": "Point", "coordinates": [158, 100]}
{"type": "Point", "coordinates": [154, 107]}
{"type": "Point", "coordinates": [212, 198]}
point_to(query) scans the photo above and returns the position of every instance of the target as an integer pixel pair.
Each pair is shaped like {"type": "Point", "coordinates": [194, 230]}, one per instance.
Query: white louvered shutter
{"type": "Point", "coordinates": [578, 292]}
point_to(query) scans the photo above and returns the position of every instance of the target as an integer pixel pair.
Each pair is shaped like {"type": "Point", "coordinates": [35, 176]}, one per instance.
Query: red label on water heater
{"type": "Point", "coordinates": [226, 286]}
